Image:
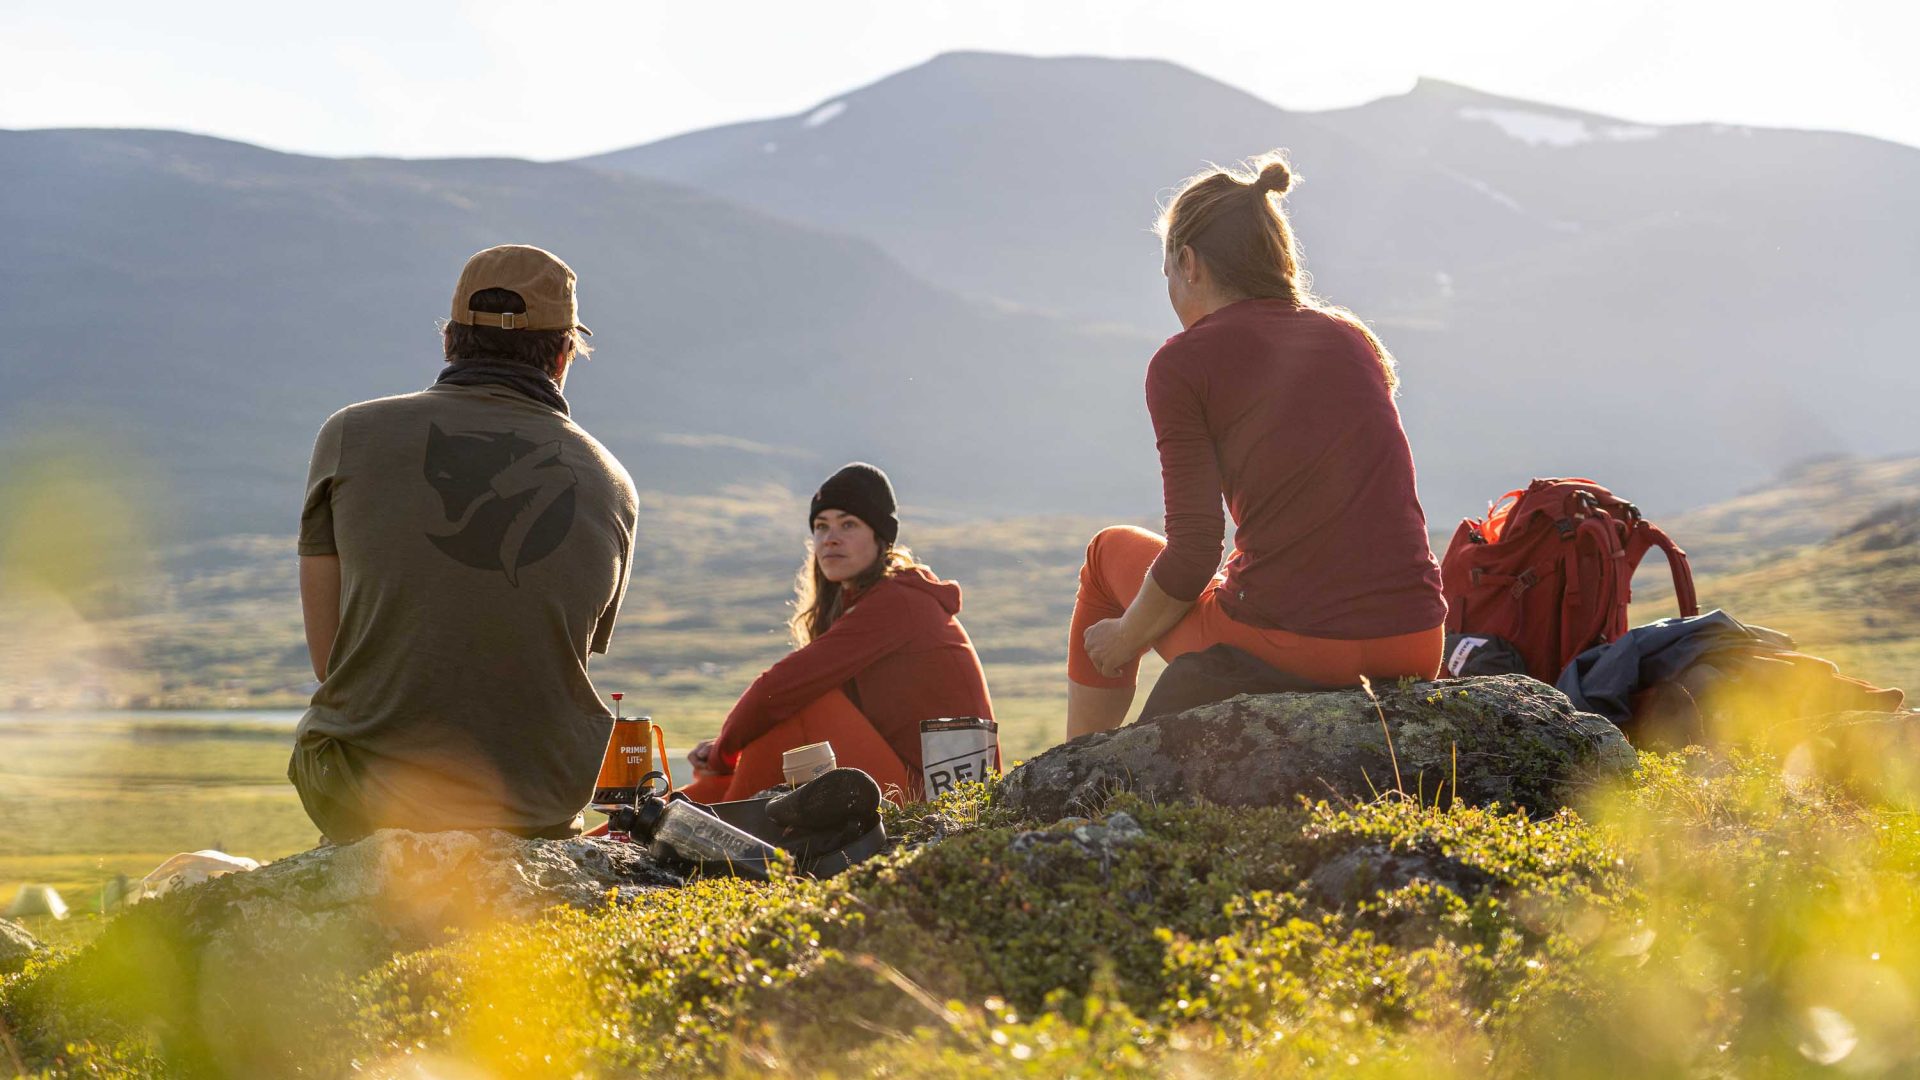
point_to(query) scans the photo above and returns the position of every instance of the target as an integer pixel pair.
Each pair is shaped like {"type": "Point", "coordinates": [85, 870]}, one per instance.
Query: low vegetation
{"type": "Point", "coordinates": [1713, 917]}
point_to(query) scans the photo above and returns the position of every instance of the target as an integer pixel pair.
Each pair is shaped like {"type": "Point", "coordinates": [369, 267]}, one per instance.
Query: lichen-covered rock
{"type": "Point", "coordinates": [1365, 872]}
{"type": "Point", "coordinates": [1516, 741]}
{"type": "Point", "coordinates": [1040, 850]}
{"type": "Point", "coordinates": [341, 907]}
{"type": "Point", "coordinates": [259, 948]}
{"type": "Point", "coordinates": [16, 946]}
{"type": "Point", "coordinates": [406, 888]}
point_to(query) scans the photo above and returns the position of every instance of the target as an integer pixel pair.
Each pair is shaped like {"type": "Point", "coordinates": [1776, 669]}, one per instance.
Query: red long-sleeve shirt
{"type": "Point", "coordinates": [898, 652]}
{"type": "Point", "coordinates": [1287, 413]}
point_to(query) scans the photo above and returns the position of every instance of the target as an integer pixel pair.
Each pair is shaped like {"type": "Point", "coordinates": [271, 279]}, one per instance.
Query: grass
{"type": "Point", "coordinates": [84, 803]}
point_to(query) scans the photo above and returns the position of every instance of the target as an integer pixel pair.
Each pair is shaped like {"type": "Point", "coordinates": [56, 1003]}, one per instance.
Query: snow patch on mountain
{"type": "Point", "coordinates": [1629, 132]}
{"type": "Point", "coordinates": [1532, 128]}
{"type": "Point", "coordinates": [1544, 129]}
{"type": "Point", "coordinates": [824, 113]}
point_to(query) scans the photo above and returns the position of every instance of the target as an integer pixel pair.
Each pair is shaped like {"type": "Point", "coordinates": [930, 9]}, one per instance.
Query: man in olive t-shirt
{"type": "Point", "coordinates": [462, 550]}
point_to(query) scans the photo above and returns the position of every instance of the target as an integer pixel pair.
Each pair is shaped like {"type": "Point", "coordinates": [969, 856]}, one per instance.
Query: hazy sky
{"type": "Point", "coordinates": [559, 78]}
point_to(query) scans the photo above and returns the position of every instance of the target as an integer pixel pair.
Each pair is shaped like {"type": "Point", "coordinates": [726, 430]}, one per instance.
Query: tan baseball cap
{"type": "Point", "coordinates": [541, 279]}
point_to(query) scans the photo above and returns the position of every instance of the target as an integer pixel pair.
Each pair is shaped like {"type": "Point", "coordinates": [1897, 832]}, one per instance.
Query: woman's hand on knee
{"type": "Point", "coordinates": [703, 761]}
{"type": "Point", "coordinates": [1110, 648]}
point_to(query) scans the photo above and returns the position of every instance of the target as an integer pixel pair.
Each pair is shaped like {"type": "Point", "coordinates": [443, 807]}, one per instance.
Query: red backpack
{"type": "Point", "coordinates": [1550, 569]}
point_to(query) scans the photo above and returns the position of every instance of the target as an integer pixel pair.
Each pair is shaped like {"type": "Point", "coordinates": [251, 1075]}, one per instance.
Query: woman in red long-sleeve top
{"type": "Point", "coordinates": [880, 650]}
{"type": "Point", "coordinates": [1284, 406]}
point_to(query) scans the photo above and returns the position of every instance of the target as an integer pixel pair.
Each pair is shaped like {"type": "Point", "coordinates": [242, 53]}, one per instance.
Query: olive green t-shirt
{"type": "Point", "coordinates": [484, 542]}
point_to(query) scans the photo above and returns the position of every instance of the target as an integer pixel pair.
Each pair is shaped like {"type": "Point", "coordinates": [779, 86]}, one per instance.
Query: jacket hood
{"type": "Point", "coordinates": [946, 592]}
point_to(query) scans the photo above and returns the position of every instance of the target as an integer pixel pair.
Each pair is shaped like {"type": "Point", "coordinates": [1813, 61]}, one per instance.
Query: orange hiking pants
{"type": "Point", "coordinates": [832, 718]}
{"type": "Point", "coordinates": [1117, 562]}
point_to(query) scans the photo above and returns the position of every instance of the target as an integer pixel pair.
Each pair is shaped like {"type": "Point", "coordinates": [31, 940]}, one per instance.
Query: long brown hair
{"type": "Point", "coordinates": [817, 602]}
{"type": "Point", "coordinates": [1233, 219]}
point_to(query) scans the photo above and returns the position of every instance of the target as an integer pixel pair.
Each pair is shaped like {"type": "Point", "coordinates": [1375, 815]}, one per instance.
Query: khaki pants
{"type": "Point", "coordinates": [322, 771]}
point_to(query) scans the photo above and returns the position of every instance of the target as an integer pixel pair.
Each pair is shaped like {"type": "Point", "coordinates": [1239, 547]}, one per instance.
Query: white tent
{"type": "Point", "coordinates": [34, 900]}
{"type": "Point", "coordinates": [191, 868]}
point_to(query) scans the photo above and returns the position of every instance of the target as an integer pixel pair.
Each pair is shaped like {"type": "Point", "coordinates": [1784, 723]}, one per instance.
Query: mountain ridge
{"type": "Point", "coordinates": [277, 288]}
{"type": "Point", "coordinates": [213, 300]}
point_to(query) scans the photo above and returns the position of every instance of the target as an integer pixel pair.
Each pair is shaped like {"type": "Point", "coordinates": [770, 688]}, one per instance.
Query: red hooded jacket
{"type": "Point", "coordinates": [898, 652]}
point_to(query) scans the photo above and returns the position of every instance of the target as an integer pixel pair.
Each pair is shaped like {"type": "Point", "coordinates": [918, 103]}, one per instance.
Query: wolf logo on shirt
{"type": "Point", "coordinates": [508, 501]}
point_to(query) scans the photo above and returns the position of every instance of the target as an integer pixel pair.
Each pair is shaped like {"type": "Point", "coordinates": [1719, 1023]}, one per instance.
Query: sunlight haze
{"type": "Point", "coordinates": [1092, 537]}
{"type": "Point", "coordinates": [555, 81]}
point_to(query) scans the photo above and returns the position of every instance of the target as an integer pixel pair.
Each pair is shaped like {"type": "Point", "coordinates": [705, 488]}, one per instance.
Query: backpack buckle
{"type": "Point", "coordinates": [1567, 527]}
{"type": "Point", "coordinates": [1527, 580]}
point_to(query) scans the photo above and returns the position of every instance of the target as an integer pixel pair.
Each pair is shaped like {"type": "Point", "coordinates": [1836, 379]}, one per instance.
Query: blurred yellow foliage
{"type": "Point", "coordinates": [74, 509]}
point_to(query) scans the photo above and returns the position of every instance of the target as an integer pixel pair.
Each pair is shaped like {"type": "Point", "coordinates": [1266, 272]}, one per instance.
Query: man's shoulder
{"type": "Point", "coordinates": [616, 471]}
{"type": "Point", "coordinates": [598, 448]}
{"type": "Point", "coordinates": [375, 408]}
{"type": "Point", "coordinates": [479, 422]}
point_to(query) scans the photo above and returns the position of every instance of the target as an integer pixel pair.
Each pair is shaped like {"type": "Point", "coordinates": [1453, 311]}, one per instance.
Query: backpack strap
{"type": "Point", "coordinates": [1647, 535]}
{"type": "Point", "coordinates": [1677, 563]}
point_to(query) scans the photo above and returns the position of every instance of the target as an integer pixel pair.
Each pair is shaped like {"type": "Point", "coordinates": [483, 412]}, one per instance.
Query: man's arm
{"type": "Point", "coordinates": [319, 557]}
{"type": "Point", "coordinates": [320, 607]}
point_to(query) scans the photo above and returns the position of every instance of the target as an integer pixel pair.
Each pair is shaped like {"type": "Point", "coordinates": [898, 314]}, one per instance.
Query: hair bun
{"type": "Point", "coordinates": [1274, 177]}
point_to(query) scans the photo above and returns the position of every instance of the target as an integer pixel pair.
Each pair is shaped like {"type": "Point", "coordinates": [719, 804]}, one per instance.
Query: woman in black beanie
{"type": "Point", "coordinates": [879, 650]}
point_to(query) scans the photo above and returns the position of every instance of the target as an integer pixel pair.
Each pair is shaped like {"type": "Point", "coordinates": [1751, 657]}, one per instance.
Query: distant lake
{"type": "Point", "coordinates": [51, 717]}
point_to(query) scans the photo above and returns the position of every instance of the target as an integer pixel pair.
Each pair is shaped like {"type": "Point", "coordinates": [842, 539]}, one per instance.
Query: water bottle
{"type": "Point", "coordinates": [680, 829]}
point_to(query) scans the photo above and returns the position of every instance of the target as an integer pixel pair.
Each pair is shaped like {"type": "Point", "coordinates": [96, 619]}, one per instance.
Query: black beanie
{"type": "Point", "coordinates": [866, 493]}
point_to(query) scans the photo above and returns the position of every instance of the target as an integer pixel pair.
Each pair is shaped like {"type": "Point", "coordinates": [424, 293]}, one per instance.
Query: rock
{"type": "Point", "coordinates": [1034, 845]}
{"type": "Point", "coordinates": [16, 947]}
{"type": "Point", "coordinates": [395, 890]}
{"type": "Point", "coordinates": [1119, 830]}
{"type": "Point", "coordinates": [1519, 743]}
{"type": "Point", "coordinates": [228, 973]}
{"type": "Point", "coordinates": [1040, 850]}
{"type": "Point", "coordinates": [1357, 875]}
